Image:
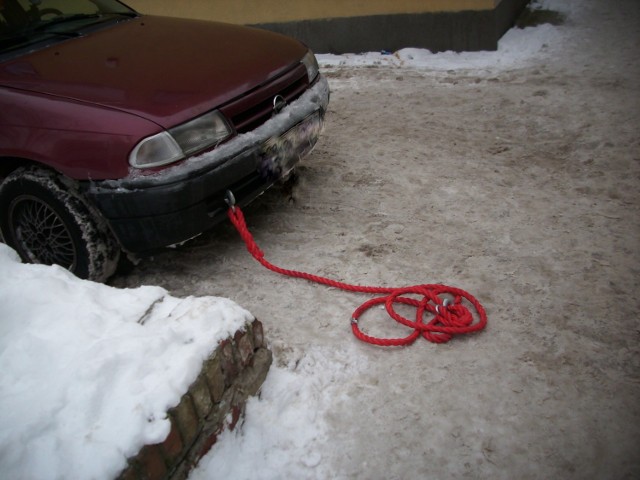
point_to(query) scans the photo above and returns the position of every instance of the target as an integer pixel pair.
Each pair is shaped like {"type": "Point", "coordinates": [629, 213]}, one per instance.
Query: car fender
{"type": "Point", "coordinates": [82, 141]}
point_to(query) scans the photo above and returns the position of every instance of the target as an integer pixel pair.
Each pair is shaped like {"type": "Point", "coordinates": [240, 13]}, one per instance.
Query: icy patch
{"type": "Point", "coordinates": [88, 371]}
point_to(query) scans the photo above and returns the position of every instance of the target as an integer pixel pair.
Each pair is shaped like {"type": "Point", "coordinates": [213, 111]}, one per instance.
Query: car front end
{"type": "Point", "coordinates": [125, 131]}
{"type": "Point", "coordinates": [169, 206]}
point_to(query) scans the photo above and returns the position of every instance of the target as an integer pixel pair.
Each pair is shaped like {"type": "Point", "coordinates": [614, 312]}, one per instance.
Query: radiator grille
{"type": "Point", "coordinates": [256, 107]}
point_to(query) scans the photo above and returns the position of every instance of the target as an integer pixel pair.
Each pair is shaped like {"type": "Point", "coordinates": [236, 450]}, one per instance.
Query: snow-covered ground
{"type": "Point", "coordinates": [512, 174]}
{"type": "Point", "coordinates": [543, 393]}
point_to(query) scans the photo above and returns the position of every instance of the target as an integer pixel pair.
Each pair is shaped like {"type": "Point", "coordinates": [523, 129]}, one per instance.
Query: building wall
{"type": "Point", "coordinates": [341, 26]}
{"type": "Point", "coordinates": [277, 11]}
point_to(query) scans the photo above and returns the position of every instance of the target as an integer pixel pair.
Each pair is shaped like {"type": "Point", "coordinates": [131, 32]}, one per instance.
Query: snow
{"type": "Point", "coordinates": [79, 392]}
{"type": "Point", "coordinates": [89, 371]}
{"type": "Point", "coordinates": [286, 421]}
{"type": "Point", "coordinates": [516, 48]}
{"type": "Point", "coordinates": [285, 432]}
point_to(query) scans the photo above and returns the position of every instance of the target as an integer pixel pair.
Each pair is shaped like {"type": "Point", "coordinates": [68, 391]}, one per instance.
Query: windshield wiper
{"type": "Point", "coordinates": [46, 26]}
{"type": "Point", "coordinates": [8, 41]}
{"type": "Point", "coordinates": [39, 31]}
{"type": "Point", "coordinates": [64, 19]}
{"type": "Point", "coordinates": [24, 39]}
{"type": "Point", "coordinates": [123, 14]}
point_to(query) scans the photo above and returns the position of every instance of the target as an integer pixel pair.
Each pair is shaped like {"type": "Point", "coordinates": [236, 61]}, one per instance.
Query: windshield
{"type": "Point", "coordinates": [26, 23]}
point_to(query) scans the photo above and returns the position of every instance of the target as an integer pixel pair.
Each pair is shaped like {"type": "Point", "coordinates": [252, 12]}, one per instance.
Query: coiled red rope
{"type": "Point", "coordinates": [449, 315]}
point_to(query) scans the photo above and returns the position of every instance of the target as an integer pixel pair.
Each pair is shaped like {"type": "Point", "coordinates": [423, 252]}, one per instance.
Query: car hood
{"type": "Point", "coordinates": [163, 69]}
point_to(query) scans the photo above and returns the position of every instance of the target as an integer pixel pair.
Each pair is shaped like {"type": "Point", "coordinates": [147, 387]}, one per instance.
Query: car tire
{"type": "Point", "coordinates": [46, 220]}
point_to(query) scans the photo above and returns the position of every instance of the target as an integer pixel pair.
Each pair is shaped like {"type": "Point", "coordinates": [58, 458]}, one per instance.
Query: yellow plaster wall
{"type": "Point", "coordinates": [274, 11]}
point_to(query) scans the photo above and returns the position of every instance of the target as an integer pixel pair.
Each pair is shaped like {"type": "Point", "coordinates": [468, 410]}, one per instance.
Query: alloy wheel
{"type": "Point", "coordinates": [41, 233]}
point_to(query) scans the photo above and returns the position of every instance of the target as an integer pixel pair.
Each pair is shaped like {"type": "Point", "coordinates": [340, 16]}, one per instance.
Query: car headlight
{"type": "Point", "coordinates": [310, 62]}
{"type": "Point", "coordinates": [179, 142]}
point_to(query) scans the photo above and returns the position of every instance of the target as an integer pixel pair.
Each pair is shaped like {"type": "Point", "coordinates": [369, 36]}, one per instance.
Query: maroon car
{"type": "Point", "coordinates": [122, 132]}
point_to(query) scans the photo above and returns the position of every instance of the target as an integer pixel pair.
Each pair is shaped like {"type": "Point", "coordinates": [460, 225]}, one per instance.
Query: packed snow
{"type": "Point", "coordinates": [89, 370]}
{"type": "Point", "coordinates": [286, 432]}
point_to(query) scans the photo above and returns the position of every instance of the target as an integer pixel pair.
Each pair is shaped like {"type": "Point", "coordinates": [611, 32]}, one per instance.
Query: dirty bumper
{"type": "Point", "coordinates": [151, 212]}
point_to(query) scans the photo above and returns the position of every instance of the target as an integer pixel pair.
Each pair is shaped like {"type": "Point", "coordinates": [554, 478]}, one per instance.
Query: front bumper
{"type": "Point", "coordinates": [153, 211]}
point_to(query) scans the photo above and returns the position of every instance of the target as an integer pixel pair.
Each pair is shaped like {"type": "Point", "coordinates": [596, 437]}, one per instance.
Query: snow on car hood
{"type": "Point", "coordinates": [163, 69]}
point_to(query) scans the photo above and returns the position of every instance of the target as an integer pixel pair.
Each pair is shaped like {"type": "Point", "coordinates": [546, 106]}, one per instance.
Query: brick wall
{"type": "Point", "coordinates": [215, 401]}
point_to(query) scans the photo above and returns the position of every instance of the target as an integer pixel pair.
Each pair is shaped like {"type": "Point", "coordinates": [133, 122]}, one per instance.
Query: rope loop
{"type": "Point", "coordinates": [441, 312]}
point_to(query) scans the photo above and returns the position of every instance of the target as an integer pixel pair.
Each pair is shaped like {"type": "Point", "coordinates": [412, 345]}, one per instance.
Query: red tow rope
{"type": "Point", "coordinates": [450, 316]}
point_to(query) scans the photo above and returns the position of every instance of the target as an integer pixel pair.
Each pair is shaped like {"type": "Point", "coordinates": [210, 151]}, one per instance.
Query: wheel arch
{"type": "Point", "coordinates": [101, 244]}
{"type": "Point", "coordinates": [10, 164]}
